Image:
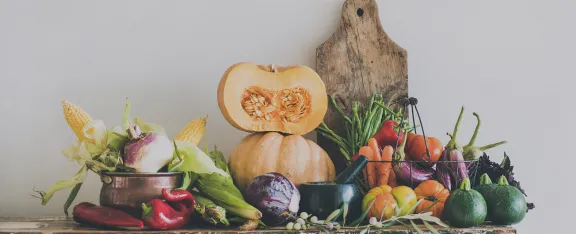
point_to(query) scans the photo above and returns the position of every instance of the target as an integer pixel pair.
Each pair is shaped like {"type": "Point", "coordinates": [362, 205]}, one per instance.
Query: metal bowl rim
{"type": "Point", "coordinates": [141, 174]}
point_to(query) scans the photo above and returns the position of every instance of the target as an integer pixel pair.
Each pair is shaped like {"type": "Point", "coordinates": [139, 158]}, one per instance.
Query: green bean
{"type": "Point", "coordinates": [339, 110]}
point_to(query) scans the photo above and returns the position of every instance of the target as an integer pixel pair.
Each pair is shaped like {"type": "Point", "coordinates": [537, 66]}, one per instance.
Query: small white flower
{"type": "Point", "coordinates": [300, 221]}
{"type": "Point", "coordinates": [373, 221]}
{"type": "Point", "coordinates": [297, 226]}
{"type": "Point", "coordinates": [289, 226]}
{"type": "Point", "coordinates": [314, 219]}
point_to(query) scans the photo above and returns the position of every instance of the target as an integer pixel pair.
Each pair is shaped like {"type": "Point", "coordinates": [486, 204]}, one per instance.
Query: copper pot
{"type": "Point", "coordinates": [127, 191]}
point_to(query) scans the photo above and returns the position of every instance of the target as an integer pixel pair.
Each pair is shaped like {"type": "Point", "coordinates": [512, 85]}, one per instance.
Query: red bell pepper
{"type": "Point", "coordinates": [104, 217]}
{"type": "Point", "coordinates": [160, 215]}
{"type": "Point", "coordinates": [387, 135]}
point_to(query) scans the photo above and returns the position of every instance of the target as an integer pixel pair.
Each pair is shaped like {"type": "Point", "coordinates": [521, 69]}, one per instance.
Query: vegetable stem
{"type": "Point", "coordinates": [452, 143]}
{"type": "Point", "coordinates": [485, 179]}
{"type": "Point", "coordinates": [339, 110]}
{"type": "Point", "coordinates": [465, 184]}
{"type": "Point", "coordinates": [502, 180]}
{"type": "Point", "coordinates": [473, 139]}
{"type": "Point", "coordinates": [489, 146]}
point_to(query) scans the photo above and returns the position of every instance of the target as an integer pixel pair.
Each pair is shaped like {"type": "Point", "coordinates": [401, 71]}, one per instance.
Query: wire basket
{"type": "Point", "coordinates": [411, 173]}
{"type": "Point", "coordinates": [414, 173]}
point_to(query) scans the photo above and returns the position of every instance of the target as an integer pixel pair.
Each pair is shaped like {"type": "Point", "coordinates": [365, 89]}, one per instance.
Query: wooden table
{"type": "Point", "coordinates": [56, 225]}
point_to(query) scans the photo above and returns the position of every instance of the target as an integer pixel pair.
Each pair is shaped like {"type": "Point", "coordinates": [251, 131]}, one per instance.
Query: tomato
{"type": "Point", "coordinates": [415, 149]}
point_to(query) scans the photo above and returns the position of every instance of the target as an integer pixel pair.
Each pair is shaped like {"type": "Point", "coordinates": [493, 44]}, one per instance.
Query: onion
{"type": "Point", "coordinates": [147, 151]}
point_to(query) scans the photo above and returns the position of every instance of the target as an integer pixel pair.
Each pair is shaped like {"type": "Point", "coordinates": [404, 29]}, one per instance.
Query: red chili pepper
{"type": "Point", "coordinates": [105, 217]}
{"type": "Point", "coordinates": [180, 196]}
{"type": "Point", "coordinates": [158, 214]}
{"type": "Point", "coordinates": [387, 135]}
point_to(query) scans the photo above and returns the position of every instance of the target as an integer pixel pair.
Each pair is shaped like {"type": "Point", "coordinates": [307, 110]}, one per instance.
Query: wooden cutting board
{"type": "Point", "coordinates": [357, 60]}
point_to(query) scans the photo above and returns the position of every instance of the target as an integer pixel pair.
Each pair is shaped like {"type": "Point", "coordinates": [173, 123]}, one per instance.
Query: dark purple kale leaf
{"type": "Point", "coordinates": [495, 171]}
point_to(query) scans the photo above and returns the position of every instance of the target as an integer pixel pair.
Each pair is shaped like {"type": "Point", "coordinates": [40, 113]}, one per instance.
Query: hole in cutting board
{"type": "Point", "coordinates": [360, 12]}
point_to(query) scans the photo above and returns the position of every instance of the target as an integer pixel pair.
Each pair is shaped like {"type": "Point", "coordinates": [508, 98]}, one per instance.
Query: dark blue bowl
{"type": "Point", "coordinates": [322, 198]}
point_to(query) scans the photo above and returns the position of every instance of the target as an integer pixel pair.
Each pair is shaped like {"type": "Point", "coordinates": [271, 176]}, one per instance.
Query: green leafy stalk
{"type": "Point", "coordinates": [63, 184]}
{"type": "Point", "coordinates": [214, 182]}
{"type": "Point", "coordinates": [222, 191]}
{"type": "Point", "coordinates": [71, 197]}
{"type": "Point", "coordinates": [209, 211]}
{"type": "Point", "coordinates": [126, 120]}
{"type": "Point", "coordinates": [339, 110]}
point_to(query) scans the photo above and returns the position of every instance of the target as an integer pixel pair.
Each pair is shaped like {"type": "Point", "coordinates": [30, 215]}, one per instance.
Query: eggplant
{"type": "Point", "coordinates": [459, 169]}
{"type": "Point", "coordinates": [412, 175]}
{"type": "Point", "coordinates": [453, 152]}
{"type": "Point", "coordinates": [443, 171]}
{"type": "Point", "coordinates": [409, 173]}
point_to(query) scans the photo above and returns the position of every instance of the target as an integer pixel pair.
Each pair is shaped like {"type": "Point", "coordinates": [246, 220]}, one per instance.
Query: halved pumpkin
{"type": "Point", "coordinates": [258, 98]}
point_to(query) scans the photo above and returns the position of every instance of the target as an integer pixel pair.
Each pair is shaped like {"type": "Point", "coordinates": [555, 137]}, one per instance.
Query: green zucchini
{"type": "Point", "coordinates": [506, 204]}
{"type": "Point", "coordinates": [465, 207]}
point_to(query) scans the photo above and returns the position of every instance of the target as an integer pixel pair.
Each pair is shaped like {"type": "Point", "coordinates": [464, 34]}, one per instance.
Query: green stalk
{"type": "Point", "coordinates": [452, 143]}
{"type": "Point", "coordinates": [339, 110]}
{"type": "Point", "coordinates": [471, 152]}
{"type": "Point", "coordinates": [485, 179]}
{"type": "Point", "coordinates": [473, 139]}
{"type": "Point", "coordinates": [465, 186]}
{"type": "Point", "coordinates": [368, 124]}
{"type": "Point", "coordinates": [489, 146]}
{"type": "Point", "coordinates": [339, 143]}
{"type": "Point", "coordinates": [377, 122]}
{"type": "Point", "coordinates": [353, 137]}
{"type": "Point", "coordinates": [370, 104]}
{"type": "Point", "coordinates": [360, 131]}
{"type": "Point", "coordinates": [502, 180]}
{"type": "Point", "coordinates": [345, 153]}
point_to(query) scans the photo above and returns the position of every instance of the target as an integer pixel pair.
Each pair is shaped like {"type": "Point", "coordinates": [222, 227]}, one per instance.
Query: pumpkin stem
{"type": "Point", "coordinates": [431, 198]}
{"type": "Point", "coordinates": [273, 68]}
{"type": "Point", "coordinates": [465, 186]}
{"type": "Point", "coordinates": [502, 180]}
{"type": "Point", "coordinates": [485, 179]}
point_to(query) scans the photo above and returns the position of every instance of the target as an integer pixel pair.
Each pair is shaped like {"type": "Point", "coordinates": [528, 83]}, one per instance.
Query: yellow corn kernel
{"type": "Point", "coordinates": [76, 118]}
{"type": "Point", "coordinates": [193, 131]}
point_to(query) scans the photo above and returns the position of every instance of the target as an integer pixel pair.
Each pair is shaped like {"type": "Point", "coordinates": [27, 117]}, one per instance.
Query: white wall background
{"type": "Point", "coordinates": [510, 61]}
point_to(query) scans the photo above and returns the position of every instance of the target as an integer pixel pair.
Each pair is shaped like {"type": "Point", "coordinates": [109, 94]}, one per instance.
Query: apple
{"type": "Point", "coordinates": [382, 199]}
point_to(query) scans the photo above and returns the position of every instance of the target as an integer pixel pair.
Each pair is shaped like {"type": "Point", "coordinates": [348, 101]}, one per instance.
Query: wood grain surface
{"type": "Point", "coordinates": [53, 225]}
{"type": "Point", "coordinates": [356, 61]}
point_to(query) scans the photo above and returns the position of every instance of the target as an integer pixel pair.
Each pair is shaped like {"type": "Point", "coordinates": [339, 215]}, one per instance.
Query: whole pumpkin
{"type": "Point", "coordinates": [382, 199]}
{"type": "Point", "coordinates": [297, 158]}
{"type": "Point", "coordinates": [434, 195]}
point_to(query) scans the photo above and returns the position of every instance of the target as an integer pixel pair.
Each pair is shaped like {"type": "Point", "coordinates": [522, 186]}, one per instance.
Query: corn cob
{"type": "Point", "coordinates": [193, 131]}
{"type": "Point", "coordinates": [76, 118]}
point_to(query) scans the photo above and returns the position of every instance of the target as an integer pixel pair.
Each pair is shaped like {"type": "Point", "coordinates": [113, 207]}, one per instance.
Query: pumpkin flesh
{"type": "Point", "coordinates": [256, 98]}
{"type": "Point", "coordinates": [299, 159]}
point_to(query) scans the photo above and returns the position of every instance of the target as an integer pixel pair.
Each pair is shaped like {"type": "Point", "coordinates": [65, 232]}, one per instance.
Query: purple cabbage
{"type": "Point", "coordinates": [275, 196]}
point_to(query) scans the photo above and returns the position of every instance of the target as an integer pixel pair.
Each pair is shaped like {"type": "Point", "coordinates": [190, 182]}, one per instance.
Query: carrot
{"type": "Point", "coordinates": [373, 144]}
{"type": "Point", "coordinates": [369, 174]}
{"type": "Point", "coordinates": [386, 167]}
{"type": "Point", "coordinates": [392, 179]}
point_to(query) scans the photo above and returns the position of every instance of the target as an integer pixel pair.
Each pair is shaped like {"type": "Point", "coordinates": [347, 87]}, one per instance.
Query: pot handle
{"type": "Point", "coordinates": [106, 179]}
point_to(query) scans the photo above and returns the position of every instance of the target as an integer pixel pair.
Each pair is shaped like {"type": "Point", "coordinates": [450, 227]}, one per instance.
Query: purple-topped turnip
{"type": "Point", "coordinates": [275, 196]}
{"type": "Point", "coordinates": [147, 151]}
